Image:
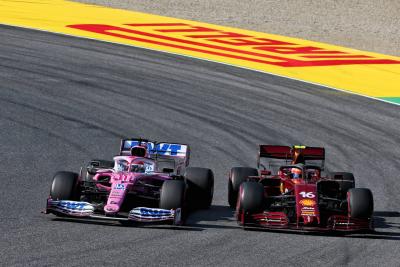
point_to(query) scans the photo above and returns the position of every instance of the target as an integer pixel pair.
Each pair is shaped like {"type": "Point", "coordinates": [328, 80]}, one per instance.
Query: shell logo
{"type": "Point", "coordinates": [307, 202]}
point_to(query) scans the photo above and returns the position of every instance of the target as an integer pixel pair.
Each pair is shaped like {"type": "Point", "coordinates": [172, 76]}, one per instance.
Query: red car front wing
{"type": "Point", "coordinates": [279, 220]}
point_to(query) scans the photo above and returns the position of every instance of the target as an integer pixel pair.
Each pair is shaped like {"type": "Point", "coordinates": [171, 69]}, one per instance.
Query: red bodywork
{"type": "Point", "coordinates": [298, 204]}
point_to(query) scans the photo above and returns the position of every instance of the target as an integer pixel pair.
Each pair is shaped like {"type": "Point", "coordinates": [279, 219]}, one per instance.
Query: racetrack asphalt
{"type": "Point", "coordinates": [66, 100]}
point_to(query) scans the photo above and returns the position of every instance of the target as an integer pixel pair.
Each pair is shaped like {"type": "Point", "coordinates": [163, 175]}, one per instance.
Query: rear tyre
{"type": "Point", "coordinates": [348, 176]}
{"type": "Point", "coordinates": [251, 197]}
{"type": "Point", "coordinates": [172, 194]}
{"type": "Point", "coordinates": [236, 177]}
{"type": "Point", "coordinates": [361, 203]}
{"type": "Point", "coordinates": [200, 183]}
{"type": "Point", "coordinates": [65, 186]}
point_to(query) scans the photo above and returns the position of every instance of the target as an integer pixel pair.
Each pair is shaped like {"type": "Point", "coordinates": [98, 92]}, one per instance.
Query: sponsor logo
{"type": "Point", "coordinates": [142, 212]}
{"type": "Point", "coordinates": [307, 202]}
{"type": "Point", "coordinates": [154, 212]}
{"type": "Point", "coordinates": [72, 205]}
{"type": "Point", "coordinates": [119, 187]}
{"type": "Point", "coordinates": [72, 208]}
{"type": "Point", "coordinates": [149, 168]}
{"type": "Point", "coordinates": [307, 194]}
{"type": "Point", "coordinates": [307, 213]}
{"type": "Point", "coordinates": [254, 48]}
{"type": "Point", "coordinates": [160, 149]}
{"type": "Point", "coordinates": [271, 220]}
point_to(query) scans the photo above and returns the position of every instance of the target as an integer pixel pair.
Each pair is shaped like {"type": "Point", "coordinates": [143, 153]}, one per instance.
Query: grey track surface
{"type": "Point", "coordinates": [65, 100]}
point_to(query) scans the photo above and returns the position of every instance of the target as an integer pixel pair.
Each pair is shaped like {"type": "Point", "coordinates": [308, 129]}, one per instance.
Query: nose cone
{"type": "Point", "coordinates": [310, 219]}
{"type": "Point", "coordinates": [111, 208]}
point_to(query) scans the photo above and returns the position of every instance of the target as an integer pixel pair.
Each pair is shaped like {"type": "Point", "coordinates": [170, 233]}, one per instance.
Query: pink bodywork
{"type": "Point", "coordinates": [122, 181]}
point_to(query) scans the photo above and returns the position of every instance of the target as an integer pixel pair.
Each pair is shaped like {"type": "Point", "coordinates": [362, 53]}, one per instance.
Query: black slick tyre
{"type": "Point", "coordinates": [172, 194]}
{"type": "Point", "coordinates": [237, 176]}
{"type": "Point", "coordinates": [251, 196]}
{"type": "Point", "coordinates": [361, 203]}
{"type": "Point", "coordinates": [345, 180]}
{"type": "Point", "coordinates": [65, 186]}
{"type": "Point", "coordinates": [200, 182]}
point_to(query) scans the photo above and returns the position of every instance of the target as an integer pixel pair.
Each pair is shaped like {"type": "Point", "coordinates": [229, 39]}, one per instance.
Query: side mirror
{"type": "Point", "coordinates": [265, 172]}
{"type": "Point", "coordinates": [167, 170]}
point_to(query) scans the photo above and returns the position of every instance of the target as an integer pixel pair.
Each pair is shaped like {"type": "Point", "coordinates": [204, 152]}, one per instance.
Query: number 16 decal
{"type": "Point", "coordinates": [307, 194]}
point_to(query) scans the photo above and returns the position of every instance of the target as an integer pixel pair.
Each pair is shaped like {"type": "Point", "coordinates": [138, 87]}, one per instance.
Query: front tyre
{"type": "Point", "coordinates": [65, 186]}
{"type": "Point", "coordinates": [172, 194]}
{"type": "Point", "coordinates": [251, 196]}
{"type": "Point", "coordinates": [361, 203]}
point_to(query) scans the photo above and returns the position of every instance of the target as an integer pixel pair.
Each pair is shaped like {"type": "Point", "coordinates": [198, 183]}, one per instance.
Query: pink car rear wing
{"type": "Point", "coordinates": [155, 149]}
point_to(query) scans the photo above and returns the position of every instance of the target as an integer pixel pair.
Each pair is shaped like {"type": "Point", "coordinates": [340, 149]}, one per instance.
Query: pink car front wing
{"type": "Point", "coordinates": [80, 209]}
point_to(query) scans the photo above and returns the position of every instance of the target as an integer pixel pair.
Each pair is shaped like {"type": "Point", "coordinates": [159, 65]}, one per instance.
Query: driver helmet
{"type": "Point", "coordinates": [138, 167]}
{"type": "Point", "coordinates": [296, 173]}
{"type": "Point", "coordinates": [298, 157]}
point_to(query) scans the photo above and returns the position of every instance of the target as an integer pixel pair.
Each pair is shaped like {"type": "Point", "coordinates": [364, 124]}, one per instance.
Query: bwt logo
{"type": "Point", "coordinates": [72, 205]}
{"type": "Point", "coordinates": [119, 187]}
{"type": "Point", "coordinates": [154, 212]}
{"type": "Point", "coordinates": [160, 148]}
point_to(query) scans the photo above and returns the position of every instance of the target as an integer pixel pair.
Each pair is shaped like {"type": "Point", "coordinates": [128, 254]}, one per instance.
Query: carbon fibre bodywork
{"type": "Point", "coordinates": [311, 202]}
{"type": "Point", "coordinates": [129, 188]}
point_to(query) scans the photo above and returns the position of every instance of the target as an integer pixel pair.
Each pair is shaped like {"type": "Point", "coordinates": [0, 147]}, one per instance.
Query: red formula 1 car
{"type": "Point", "coordinates": [298, 195]}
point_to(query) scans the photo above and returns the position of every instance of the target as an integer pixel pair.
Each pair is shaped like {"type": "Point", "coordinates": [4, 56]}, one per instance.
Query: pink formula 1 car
{"type": "Point", "coordinates": [147, 182]}
{"type": "Point", "coordinates": [298, 194]}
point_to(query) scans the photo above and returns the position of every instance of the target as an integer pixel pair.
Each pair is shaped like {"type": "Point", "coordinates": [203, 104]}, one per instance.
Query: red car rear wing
{"type": "Point", "coordinates": [287, 152]}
